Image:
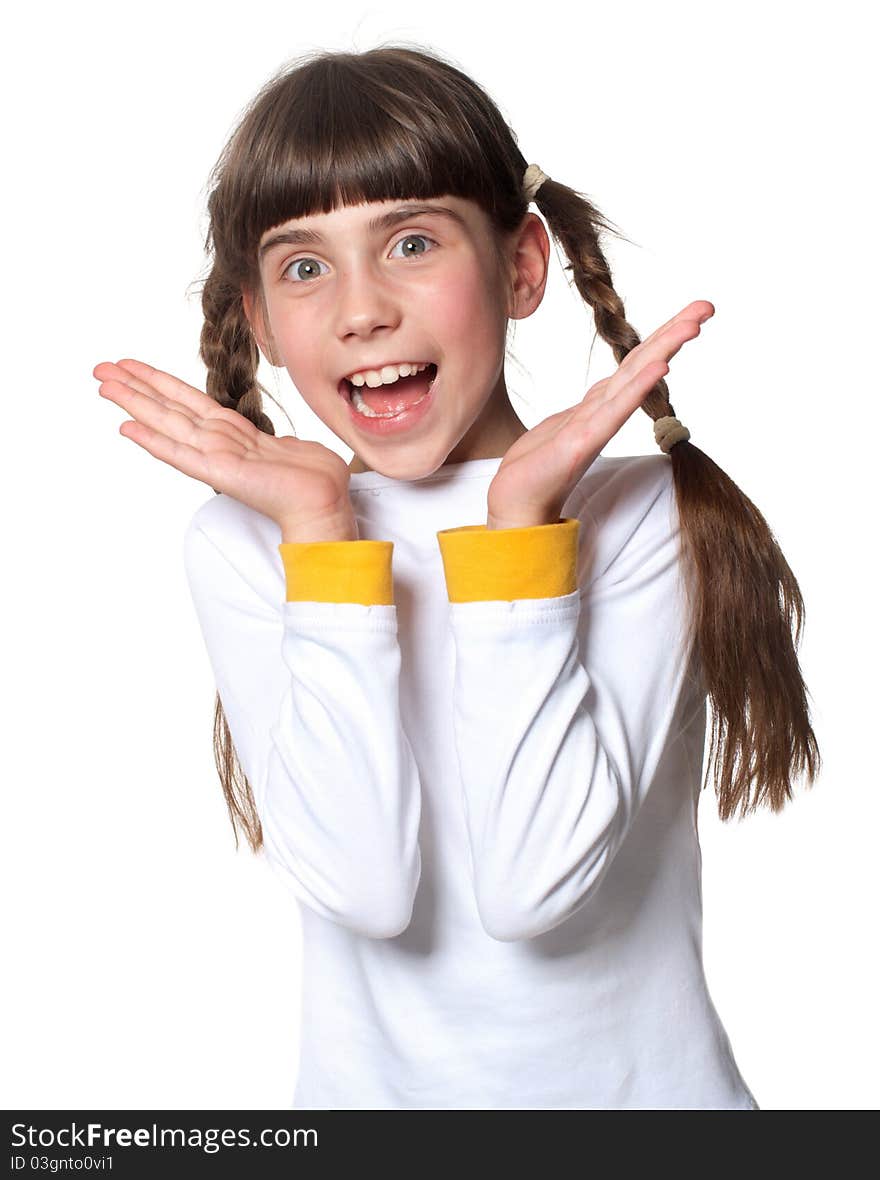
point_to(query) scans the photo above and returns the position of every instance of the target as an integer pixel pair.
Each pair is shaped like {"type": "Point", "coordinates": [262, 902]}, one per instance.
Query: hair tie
{"type": "Point", "coordinates": [669, 431]}
{"type": "Point", "coordinates": [532, 181]}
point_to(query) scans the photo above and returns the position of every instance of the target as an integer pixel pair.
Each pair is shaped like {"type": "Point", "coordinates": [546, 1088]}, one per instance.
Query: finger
{"type": "Point", "coordinates": [699, 310]}
{"type": "Point", "coordinates": [660, 346]}
{"type": "Point", "coordinates": [180, 455]}
{"type": "Point", "coordinates": [109, 372]}
{"type": "Point", "coordinates": [620, 391]}
{"type": "Point", "coordinates": [172, 387]}
{"type": "Point", "coordinates": [695, 313]}
{"type": "Point", "coordinates": [173, 420]}
{"type": "Point", "coordinates": [218, 419]}
{"type": "Point", "coordinates": [118, 381]}
{"type": "Point", "coordinates": [609, 415]}
{"type": "Point", "coordinates": [670, 340]}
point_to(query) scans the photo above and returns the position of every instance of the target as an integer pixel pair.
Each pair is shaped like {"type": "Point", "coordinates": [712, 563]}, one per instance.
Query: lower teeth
{"type": "Point", "coordinates": [361, 406]}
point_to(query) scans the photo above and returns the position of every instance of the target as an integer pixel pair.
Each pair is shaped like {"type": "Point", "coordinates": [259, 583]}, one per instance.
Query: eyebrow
{"type": "Point", "coordinates": [299, 237]}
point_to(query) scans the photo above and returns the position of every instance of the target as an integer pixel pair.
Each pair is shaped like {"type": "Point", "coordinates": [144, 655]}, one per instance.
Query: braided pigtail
{"type": "Point", "coordinates": [230, 353]}
{"type": "Point", "coordinates": [231, 356]}
{"type": "Point", "coordinates": [747, 608]}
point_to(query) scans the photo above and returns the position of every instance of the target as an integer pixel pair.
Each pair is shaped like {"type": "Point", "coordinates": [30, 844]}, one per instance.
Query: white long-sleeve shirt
{"type": "Point", "coordinates": [482, 791]}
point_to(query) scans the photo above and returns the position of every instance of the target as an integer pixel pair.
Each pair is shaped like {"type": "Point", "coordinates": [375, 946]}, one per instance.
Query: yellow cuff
{"type": "Point", "coordinates": [338, 571]}
{"type": "Point", "coordinates": [536, 562]}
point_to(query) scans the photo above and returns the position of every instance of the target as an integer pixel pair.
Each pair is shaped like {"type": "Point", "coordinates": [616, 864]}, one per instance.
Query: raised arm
{"type": "Point", "coordinates": [564, 698]}
{"type": "Point", "coordinates": [306, 666]}
{"type": "Point", "coordinates": [310, 689]}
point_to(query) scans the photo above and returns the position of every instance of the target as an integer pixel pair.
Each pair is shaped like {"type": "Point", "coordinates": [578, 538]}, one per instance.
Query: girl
{"type": "Point", "coordinates": [480, 776]}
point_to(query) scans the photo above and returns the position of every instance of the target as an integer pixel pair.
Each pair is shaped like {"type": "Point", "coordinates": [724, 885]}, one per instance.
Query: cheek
{"type": "Point", "coordinates": [294, 336]}
{"type": "Point", "coordinates": [467, 305]}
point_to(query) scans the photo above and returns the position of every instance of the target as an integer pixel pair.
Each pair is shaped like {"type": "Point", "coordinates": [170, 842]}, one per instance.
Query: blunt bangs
{"type": "Point", "coordinates": [345, 129]}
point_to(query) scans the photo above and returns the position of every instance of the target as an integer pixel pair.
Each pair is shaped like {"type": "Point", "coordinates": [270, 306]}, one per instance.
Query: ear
{"type": "Point", "coordinates": [255, 313]}
{"type": "Point", "coordinates": [529, 258]}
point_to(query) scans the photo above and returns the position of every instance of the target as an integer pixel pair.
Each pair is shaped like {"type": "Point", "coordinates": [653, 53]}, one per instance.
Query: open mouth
{"type": "Point", "coordinates": [385, 401]}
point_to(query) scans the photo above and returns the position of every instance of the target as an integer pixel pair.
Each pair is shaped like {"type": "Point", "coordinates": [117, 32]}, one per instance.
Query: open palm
{"type": "Point", "coordinates": [542, 468]}
{"type": "Point", "coordinates": [290, 480]}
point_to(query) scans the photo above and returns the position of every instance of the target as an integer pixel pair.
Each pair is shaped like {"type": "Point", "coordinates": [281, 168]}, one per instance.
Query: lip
{"type": "Point", "coordinates": [405, 420]}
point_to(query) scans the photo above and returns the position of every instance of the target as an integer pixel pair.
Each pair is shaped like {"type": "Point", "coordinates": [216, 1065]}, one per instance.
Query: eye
{"type": "Point", "coordinates": [414, 238]}
{"type": "Point", "coordinates": [313, 263]}
{"type": "Point", "coordinates": [308, 268]}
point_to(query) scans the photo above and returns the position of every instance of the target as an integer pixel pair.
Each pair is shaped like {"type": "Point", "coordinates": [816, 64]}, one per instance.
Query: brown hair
{"type": "Point", "coordinates": [395, 122]}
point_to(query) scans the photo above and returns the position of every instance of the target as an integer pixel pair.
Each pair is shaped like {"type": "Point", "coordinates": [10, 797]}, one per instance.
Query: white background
{"type": "Point", "coordinates": [149, 964]}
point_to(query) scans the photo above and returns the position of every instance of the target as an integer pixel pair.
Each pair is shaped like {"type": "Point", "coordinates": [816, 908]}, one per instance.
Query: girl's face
{"type": "Point", "coordinates": [390, 282]}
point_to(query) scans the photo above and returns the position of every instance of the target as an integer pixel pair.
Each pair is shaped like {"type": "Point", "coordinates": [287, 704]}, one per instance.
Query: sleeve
{"type": "Point", "coordinates": [310, 689]}
{"type": "Point", "coordinates": [563, 702]}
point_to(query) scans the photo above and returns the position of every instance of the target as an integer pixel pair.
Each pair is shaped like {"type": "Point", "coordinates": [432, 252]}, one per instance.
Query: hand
{"type": "Point", "coordinates": [301, 485]}
{"type": "Point", "coordinates": [542, 468]}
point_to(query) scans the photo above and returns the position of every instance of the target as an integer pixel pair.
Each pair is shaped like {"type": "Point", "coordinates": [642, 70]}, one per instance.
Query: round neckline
{"type": "Point", "coordinates": [448, 473]}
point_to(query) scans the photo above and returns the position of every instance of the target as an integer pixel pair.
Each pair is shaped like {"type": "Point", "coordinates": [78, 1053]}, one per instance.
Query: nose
{"type": "Point", "coordinates": [364, 303]}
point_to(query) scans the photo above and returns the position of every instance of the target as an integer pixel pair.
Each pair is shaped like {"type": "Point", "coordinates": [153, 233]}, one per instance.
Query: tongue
{"type": "Point", "coordinates": [399, 396]}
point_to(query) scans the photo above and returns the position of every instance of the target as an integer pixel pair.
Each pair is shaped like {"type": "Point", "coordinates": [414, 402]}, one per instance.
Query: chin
{"type": "Point", "coordinates": [408, 470]}
{"type": "Point", "coordinates": [418, 465]}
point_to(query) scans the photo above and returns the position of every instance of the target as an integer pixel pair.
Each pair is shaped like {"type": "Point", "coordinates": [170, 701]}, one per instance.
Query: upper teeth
{"type": "Point", "coordinates": [386, 375]}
